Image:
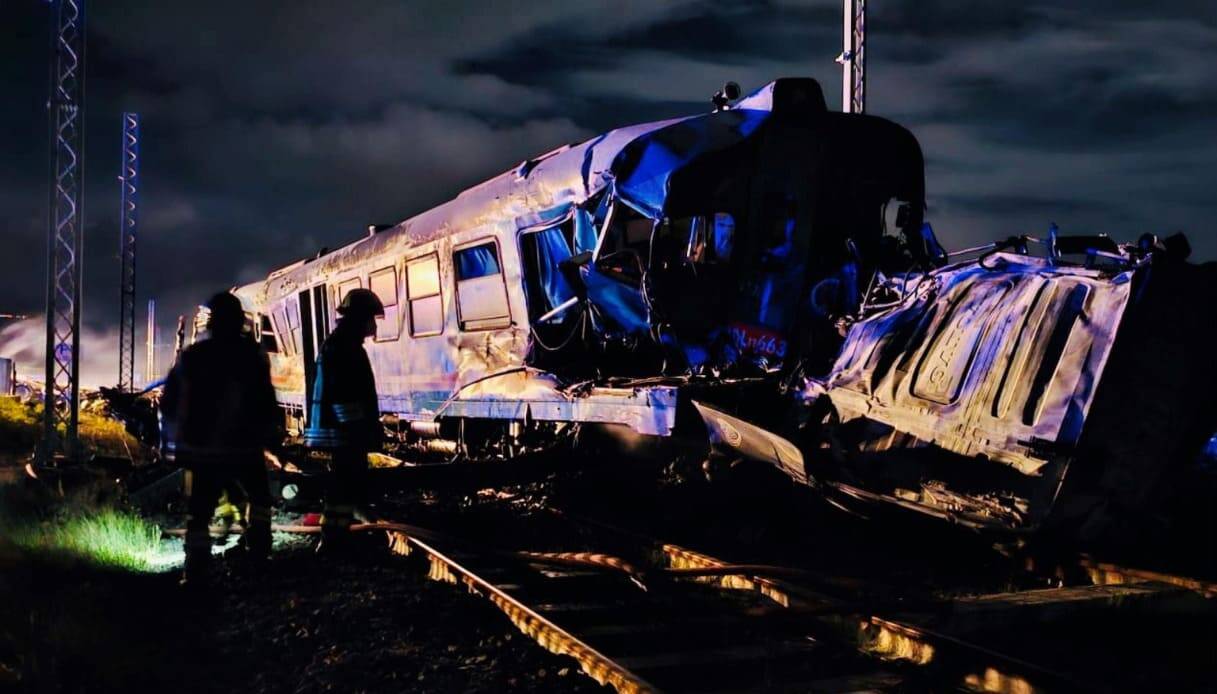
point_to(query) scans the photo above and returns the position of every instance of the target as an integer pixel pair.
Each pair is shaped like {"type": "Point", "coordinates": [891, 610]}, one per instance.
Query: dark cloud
{"type": "Point", "coordinates": [272, 129]}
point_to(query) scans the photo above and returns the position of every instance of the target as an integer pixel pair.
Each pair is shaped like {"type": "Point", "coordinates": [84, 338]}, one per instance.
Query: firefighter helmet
{"type": "Point", "coordinates": [224, 312]}
{"type": "Point", "coordinates": [361, 303]}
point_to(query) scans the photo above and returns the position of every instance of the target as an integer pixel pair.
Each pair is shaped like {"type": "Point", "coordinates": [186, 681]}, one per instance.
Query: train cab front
{"type": "Point", "coordinates": [726, 249]}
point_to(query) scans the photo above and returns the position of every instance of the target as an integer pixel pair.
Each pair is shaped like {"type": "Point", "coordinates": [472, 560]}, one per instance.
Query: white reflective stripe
{"type": "Point", "coordinates": [323, 438]}
{"type": "Point", "coordinates": [349, 411]}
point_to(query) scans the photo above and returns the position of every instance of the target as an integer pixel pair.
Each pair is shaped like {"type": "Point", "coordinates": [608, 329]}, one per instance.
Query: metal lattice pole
{"type": "Point", "coordinates": [129, 215]}
{"type": "Point", "coordinates": [150, 346]}
{"type": "Point", "coordinates": [853, 58]}
{"type": "Point", "coordinates": [65, 236]}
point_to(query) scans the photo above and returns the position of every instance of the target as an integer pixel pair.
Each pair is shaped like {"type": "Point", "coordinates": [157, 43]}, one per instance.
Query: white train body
{"type": "Point", "coordinates": [481, 323]}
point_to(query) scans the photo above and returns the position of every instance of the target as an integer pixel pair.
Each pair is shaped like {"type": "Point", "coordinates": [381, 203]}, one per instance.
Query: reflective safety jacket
{"type": "Point", "coordinates": [343, 411]}
{"type": "Point", "coordinates": [218, 405]}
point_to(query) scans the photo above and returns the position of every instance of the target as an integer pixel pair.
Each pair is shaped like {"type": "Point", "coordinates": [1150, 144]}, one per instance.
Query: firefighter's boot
{"type": "Point", "coordinates": [196, 572]}
{"type": "Point", "coordinates": [256, 542]}
{"type": "Point", "coordinates": [336, 530]}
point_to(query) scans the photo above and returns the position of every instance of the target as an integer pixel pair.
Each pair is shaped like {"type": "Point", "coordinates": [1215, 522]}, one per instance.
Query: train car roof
{"type": "Point", "coordinates": [636, 160]}
{"type": "Point", "coordinates": [573, 173]}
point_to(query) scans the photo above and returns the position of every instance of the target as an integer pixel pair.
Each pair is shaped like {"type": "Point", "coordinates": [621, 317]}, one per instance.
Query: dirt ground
{"type": "Point", "coordinates": [302, 625]}
{"type": "Point", "coordinates": [376, 624]}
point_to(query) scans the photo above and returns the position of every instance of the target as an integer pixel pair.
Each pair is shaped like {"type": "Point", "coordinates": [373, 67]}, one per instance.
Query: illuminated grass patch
{"type": "Point", "coordinates": [105, 537]}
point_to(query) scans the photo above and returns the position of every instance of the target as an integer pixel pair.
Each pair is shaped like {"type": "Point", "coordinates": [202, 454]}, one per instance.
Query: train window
{"type": "Point", "coordinates": [625, 247]}
{"type": "Point", "coordinates": [293, 323]}
{"type": "Point", "coordinates": [475, 262]}
{"type": "Point", "coordinates": [541, 253]}
{"type": "Point", "coordinates": [701, 240]}
{"type": "Point", "coordinates": [383, 284]}
{"type": "Point", "coordinates": [344, 287]}
{"type": "Point", "coordinates": [267, 339]}
{"type": "Point", "coordinates": [481, 296]}
{"type": "Point", "coordinates": [279, 318]}
{"type": "Point", "coordinates": [423, 294]}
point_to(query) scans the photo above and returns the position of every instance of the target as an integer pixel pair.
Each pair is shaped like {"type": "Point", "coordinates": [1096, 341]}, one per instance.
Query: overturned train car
{"type": "Point", "coordinates": [595, 285]}
{"type": "Point", "coordinates": [1012, 391]}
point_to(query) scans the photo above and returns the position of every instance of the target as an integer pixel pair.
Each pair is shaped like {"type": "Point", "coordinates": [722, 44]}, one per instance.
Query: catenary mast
{"type": "Point", "coordinates": [853, 58]}
{"type": "Point", "coordinates": [65, 232]}
{"type": "Point", "coordinates": [128, 218]}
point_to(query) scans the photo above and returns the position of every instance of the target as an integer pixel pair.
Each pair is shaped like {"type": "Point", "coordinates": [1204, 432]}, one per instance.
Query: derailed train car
{"type": "Point", "coordinates": [600, 283]}
{"type": "Point", "coordinates": [1014, 390]}
{"type": "Point", "coordinates": [763, 275]}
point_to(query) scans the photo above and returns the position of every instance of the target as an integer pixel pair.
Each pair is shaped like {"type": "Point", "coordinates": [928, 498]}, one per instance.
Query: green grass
{"type": "Point", "coordinates": [105, 537]}
{"type": "Point", "coordinates": [20, 424]}
{"type": "Point", "coordinates": [81, 527]}
{"type": "Point", "coordinates": [100, 434]}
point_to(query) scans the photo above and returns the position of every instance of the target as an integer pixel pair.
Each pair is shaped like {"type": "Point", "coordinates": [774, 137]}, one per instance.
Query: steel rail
{"type": "Point", "coordinates": [1106, 573]}
{"type": "Point", "coordinates": [896, 639]}
{"type": "Point", "coordinates": [891, 636]}
{"type": "Point", "coordinates": [883, 636]}
{"type": "Point", "coordinates": [533, 624]}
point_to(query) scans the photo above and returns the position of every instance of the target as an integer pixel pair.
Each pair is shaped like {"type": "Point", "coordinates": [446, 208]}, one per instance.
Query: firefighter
{"type": "Point", "coordinates": [344, 418]}
{"type": "Point", "coordinates": [219, 415]}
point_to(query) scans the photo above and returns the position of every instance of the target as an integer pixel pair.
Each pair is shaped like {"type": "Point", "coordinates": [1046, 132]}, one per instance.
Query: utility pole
{"type": "Point", "coordinates": [150, 356]}
{"type": "Point", "coordinates": [128, 178]}
{"type": "Point", "coordinates": [65, 233]}
{"type": "Point", "coordinates": [853, 58]}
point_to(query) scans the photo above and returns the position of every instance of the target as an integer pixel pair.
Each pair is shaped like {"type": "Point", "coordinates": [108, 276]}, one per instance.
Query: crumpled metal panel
{"type": "Point", "coordinates": [644, 168]}
{"type": "Point", "coordinates": [998, 359]}
{"type": "Point", "coordinates": [531, 394]}
{"type": "Point", "coordinates": [747, 440]}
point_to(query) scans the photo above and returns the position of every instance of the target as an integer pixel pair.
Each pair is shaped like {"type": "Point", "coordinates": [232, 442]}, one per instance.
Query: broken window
{"type": "Point", "coordinates": [423, 294]}
{"type": "Point", "coordinates": [383, 284]}
{"type": "Point", "coordinates": [545, 287]}
{"type": "Point", "coordinates": [700, 240]}
{"type": "Point", "coordinates": [293, 322]}
{"type": "Point", "coordinates": [267, 335]}
{"type": "Point", "coordinates": [282, 332]}
{"type": "Point", "coordinates": [481, 295]}
{"type": "Point", "coordinates": [625, 247]}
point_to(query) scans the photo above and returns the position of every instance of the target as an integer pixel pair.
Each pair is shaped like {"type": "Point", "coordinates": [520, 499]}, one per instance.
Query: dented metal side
{"type": "Point", "coordinates": [528, 394]}
{"type": "Point", "coordinates": [998, 359]}
{"type": "Point", "coordinates": [749, 441]}
{"type": "Point", "coordinates": [985, 365]}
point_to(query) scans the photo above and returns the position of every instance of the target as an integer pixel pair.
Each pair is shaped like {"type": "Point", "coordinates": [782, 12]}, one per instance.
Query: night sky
{"type": "Point", "coordinates": [271, 129]}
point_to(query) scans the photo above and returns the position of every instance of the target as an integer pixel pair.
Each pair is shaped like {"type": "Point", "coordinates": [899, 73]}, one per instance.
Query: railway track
{"type": "Point", "coordinates": [667, 628]}
{"type": "Point", "coordinates": [660, 617]}
{"type": "Point", "coordinates": [642, 615]}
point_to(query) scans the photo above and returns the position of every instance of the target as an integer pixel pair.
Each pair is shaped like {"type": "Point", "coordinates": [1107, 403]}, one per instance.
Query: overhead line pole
{"type": "Point", "coordinates": [853, 58]}
{"type": "Point", "coordinates": [65, 232]}
{"type": "Point", "coordinates": [150, 348]}
{"type": "Point", "coordinates": [128, 218]}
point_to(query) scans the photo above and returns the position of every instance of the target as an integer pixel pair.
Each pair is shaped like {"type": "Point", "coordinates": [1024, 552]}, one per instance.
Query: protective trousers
{"type": "Point", "coordinates": [205, 484]}
{"type": "Point", "coordinates": [346, 489]}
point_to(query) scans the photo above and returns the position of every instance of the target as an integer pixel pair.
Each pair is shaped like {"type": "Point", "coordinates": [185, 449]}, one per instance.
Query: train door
{"type": "Point", "coordinates": [315, 327]}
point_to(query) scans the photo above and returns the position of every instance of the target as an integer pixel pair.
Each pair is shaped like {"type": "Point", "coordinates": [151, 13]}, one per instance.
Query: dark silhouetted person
{"type": "Point", "coordinates": [219, 415]}
{"type": "Point", "coordinates": [344, 417]}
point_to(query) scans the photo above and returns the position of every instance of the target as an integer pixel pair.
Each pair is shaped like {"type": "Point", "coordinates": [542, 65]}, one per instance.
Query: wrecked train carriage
{"type": "Point", "coordinates": [593, 283]}
{"type": "Point", "coordinates": [1015, 392]}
